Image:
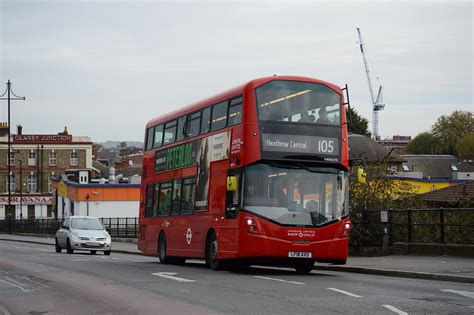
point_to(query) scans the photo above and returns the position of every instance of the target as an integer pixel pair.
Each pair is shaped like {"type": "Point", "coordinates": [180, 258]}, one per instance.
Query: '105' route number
{"type": "Point", "coordinates": [326, 146]}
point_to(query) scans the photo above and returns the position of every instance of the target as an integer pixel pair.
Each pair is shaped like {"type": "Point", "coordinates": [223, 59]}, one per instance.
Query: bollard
{"type": "Point", "coordinates": [385, 242]}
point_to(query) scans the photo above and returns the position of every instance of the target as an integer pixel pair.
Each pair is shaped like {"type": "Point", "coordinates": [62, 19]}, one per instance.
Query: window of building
{"type": "Point", "coordinates": [219, 116]}
{"type": "Point", "coordinates": [194, 124]}
{"type": "Point", "coordinates": [32, 158]}
{"type": "Point", "coordinates": [31, 183]}
{"type": "Point", "coordinates": [31, 211]}
{"type": "Point", "coordinates": [12, 159]}
{"type": "Point", "coordinates": [235, 111]}
{"type": "Point", "coordinates": [158, 140]}
{"type": "Point", "coordinates": [53, 159]}
{"type": "Point", "coordinates": [206, 120]}
{"type": "Point", "coordinates": [74, 160]}
{"type": "Point", "coordinates": [12, 183]}
{"type": "Point", "coordinates": [170, 132]}
{"type": "Point", "coordinates": [49, 211]}
{"type": "Point", "coordinates": [187, 195]}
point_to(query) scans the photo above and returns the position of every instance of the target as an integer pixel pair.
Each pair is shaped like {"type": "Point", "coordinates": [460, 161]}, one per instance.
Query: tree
{"type": "Point", "coordinates": [465, 146]}
{"type": "Point", "coordinates": [379, 193]}
{"type": "Point", "coordinates": [359, 124]}
{"type": "Point", "coordinates": [423, 143]}
{"type": "Point", "coordinates": [449, 129]}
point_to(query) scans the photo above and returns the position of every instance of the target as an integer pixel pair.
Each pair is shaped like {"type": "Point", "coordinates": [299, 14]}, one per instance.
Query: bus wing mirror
{"type": "Point", "coordinates": [231, 183]}
{"type": "Point", "coordinates": [361, 175]}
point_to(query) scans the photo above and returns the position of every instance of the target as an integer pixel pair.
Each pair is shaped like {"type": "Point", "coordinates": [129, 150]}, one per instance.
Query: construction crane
{"type": "Point", "coordinates": [377, 103]}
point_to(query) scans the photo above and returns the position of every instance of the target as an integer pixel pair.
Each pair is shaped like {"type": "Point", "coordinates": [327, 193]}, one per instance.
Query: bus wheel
{"type": "Point", "coordinates": [303, 266]}
{"type": "Point", "coordinates": [164, 259]}
{"type": "Point", "coordinates": [211, 257]}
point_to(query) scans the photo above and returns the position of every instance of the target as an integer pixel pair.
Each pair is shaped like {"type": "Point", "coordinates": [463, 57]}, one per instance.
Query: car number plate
{"type": "Point", "coordinates": [300, 254]}
{"type": "Point", "coordinates": [93, 244]}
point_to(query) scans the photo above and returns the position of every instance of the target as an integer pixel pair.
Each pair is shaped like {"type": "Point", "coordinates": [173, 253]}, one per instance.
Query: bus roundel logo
{"type": "Point", "coordinates": [189, 236]}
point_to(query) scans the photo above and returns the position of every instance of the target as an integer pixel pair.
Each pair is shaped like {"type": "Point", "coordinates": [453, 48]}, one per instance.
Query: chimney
{"type": "Point", "coordinates": [3, 129]}
{"type": "Point", "coordinates": [19, 129]}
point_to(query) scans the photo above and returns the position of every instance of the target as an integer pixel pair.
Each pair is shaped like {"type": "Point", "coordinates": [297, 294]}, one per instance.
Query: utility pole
{"type": "Point", "coordinates": [9, 98]}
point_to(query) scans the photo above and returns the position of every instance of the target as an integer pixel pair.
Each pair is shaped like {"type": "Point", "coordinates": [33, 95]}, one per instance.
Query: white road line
{"type": "Point", "coordinates": [394, 309]}
{"type": "Point", "coordinates": [344, 292]}
{"type": "Point", "coordinates": [463, 293]}
{"type": "Point", "coordinates": [16, 286]}
{"type": "Point", "coordinates": [281, 280]}
{"type": "Point", "coordinates": [170, 275]}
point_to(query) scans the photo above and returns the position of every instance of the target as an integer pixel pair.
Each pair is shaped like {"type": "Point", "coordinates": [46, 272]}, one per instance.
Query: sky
{"type": "Point", "coordinates": [105, 68]}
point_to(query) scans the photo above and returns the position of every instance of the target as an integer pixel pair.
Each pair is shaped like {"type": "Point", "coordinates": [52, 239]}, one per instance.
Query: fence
{"type": "Point", "coordinates": [118, 227]}
{"type": "Point", "coordinates": [430, 226]}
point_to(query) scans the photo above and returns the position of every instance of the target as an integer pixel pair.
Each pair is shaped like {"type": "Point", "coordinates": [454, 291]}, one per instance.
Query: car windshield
{"type": "Point", "coordinates": [298, 102]}
{"type": "Point", "coordinates": [300, 196]}
{"type": "Point", "coordinates": [86, 224]}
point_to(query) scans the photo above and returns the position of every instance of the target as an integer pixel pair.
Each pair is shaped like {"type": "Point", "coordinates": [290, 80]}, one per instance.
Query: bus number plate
{"type": "Point", "coordinates": [300, 254]}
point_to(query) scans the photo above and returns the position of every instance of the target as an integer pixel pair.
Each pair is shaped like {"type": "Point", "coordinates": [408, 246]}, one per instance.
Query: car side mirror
{"type": "Point", "coordinates": [65, 227]}
{"type": "Point", "coordinates": [107, 229]}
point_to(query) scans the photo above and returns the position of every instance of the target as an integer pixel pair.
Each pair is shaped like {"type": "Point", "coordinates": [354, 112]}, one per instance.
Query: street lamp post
{"type": "Point", "coordinates": [21, 191]}
{"type": "Point", "coordinates": [9, 153]}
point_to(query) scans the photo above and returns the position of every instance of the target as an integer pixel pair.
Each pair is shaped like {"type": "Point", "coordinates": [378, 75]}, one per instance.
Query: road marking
{"type": "Point", "coordinates": [281, 280]}
{"type": "Point", "coordinates": [15, 285]}
{"type": "Point", "coordinates": [463, 293]}
{"type": "Point", "coordinates": [344, 292]}
{"type": "Point", "coordinates": [394, 309]}
{"type": "Point", "coordinates": [170, 275]}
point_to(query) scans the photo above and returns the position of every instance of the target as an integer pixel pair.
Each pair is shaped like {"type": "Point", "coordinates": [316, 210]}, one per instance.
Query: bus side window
{"type": "Point", "coordinates": [170, 132]}
{"type": "Point", "coordinates": [149, 201]}
{"type": "Point", "coordinates": [187, 195]}
{"type": "Point", "coordinates": [219, 116]}
{"type": "Point", "coordinates": [158, 136]}
{"type": "Point", "coordinates": [165, 195]}
{"type": "Point", "coordinates": [149, 138]}
{"type": "Point", "coordinates": [176, 200]}
{"type": "Point", "coordinates": [180, 132]}
{"type": "Point", "coordinates": [194, 124]}
{"type": "Point", "coordinates": [206, 120]}
{"type": "Point", "coordinates": [235, 111]}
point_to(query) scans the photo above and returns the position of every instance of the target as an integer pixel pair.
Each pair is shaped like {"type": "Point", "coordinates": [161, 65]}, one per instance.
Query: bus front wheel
{"type": "Point", "coordinates": [211, 255]}
{"type": "Point", "coordinates": [303, 266]}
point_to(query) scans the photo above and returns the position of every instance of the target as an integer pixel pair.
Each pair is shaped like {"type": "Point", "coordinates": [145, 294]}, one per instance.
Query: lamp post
{"type": "Point", "coordinates": [87, 203]}
{"type": "Point", "coordinates": [9, 153]}
{"type": "Point", "coordinates": [21, 191]}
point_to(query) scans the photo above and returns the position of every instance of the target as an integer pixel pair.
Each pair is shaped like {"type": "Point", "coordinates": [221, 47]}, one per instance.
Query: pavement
{"type": "Point", "coordinates": [441, 268]}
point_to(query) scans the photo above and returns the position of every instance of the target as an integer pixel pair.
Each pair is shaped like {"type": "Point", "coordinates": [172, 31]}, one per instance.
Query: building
{"type": "Point", "coordinates": [397, 143]}
{"type": "Point", "coordinates": [108, 200]}
{"type": "Point", "coordinates": [35, 160]}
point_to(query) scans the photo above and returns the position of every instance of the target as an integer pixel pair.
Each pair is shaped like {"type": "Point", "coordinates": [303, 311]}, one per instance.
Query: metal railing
{"type": "Point", "coordinates": [430, 226]}
{"type": "Point", "coordinates": [118, 227]}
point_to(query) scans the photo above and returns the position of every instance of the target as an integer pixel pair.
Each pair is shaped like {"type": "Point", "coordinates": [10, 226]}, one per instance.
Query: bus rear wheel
{"type": "Point", "coordinates": [303, 266]}
{"type": "Point", "coordinates": [162, 252]}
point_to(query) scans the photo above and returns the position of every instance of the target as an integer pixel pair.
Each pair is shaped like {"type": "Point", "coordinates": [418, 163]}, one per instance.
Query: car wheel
{"type": "Point", "coordinates": [107, 252]}
{"type": "Point", "coordinates": [58, 248]}
{"type": "Point", "coordinates": [211, 254]}
{"type": "Point", "coordinates": [69, 249]}
{"type": "Point", "coordinates": [93, 252]}
{"type": "Point", "coordinates": [304, 266]}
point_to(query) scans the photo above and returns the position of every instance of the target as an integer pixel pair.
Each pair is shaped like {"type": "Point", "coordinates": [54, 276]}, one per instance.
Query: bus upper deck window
{"type": "Point", "coordinates": [158, 136]}
{"type": "Point", "coordinates": [194, 124]}
{"type": "Point", "coordinates": [235, 111]}
{"type": "Point", "coordinates": [206, 120]}
{"type": "Point", "coordinates": [219, 116]}
{"type": "Point", "coordinates": [170, 132]}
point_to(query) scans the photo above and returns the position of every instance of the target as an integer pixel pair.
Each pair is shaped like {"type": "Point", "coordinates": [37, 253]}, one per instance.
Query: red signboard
{"type": "Point", "coordinates": [27, 200]}
{"type": "Point", "coordinates": [43, 138]}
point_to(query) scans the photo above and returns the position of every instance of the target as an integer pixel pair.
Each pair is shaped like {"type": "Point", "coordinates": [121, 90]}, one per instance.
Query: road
{"type": "Point", "coordinates": [36, 280]}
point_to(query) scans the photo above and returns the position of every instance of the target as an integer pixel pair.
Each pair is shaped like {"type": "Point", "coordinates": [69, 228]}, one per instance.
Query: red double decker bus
{"type": "Point", "coordinates": [258, 174]}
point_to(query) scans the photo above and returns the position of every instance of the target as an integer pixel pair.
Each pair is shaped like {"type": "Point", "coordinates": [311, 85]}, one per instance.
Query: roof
{"type": "Point", "coordinates": [231, 93]}
{"type": "Point", "coordinates": [460, 193]}
{"type": "Point", "coordinates": [111, 156]}
{"type": "Point", "coordinates": [104, 170]}
{"type": "Point", "coordinates": [436, 166]}
{"type": "Point", "coordinates": [361, 146]}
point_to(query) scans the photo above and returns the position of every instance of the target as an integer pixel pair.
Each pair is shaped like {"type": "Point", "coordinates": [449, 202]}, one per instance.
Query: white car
{"type": "Point", "coordinates": [83, 233]}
